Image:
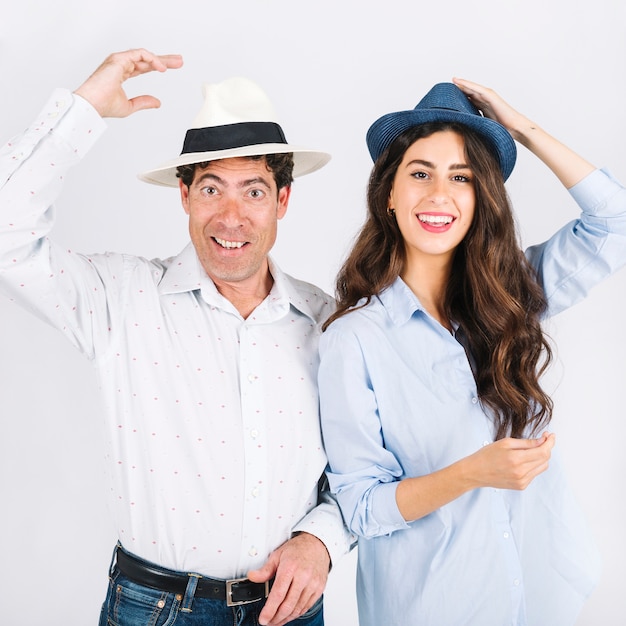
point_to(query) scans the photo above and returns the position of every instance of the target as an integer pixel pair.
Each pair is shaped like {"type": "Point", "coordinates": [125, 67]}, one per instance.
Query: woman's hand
{"type": "Point", "coordinates": [510, 463]}
{"type": "Point", "coordinates": [569, 167]}
{"type": "Point", "coordinates": [493, 106]}
{"type": "Point", "coordinates": [504, 464]}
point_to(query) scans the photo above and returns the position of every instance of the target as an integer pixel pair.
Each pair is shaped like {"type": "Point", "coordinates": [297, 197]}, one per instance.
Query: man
{"type": "Point", "coordinates": [207, 360]}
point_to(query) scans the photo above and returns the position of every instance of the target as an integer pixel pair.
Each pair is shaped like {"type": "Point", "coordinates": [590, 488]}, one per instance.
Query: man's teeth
{"type": "Point", "coordinates": [229, 244]}
{"type": "Point", "coordinates": [435, 219]}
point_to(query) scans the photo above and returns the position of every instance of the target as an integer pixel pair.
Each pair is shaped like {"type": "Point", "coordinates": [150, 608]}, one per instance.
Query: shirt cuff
{"type": "Point", "coordinates": [66, 117]}
{"type": "Point", "coordinates": [325, 523]}
{"type": "Point", "coordinates": [384, 509]}
{"type": "Point", "coordinates": [80, 125]}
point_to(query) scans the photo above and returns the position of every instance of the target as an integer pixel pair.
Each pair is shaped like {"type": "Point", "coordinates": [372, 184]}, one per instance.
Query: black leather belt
{"type": "Point", "coordinates": [235, 592]}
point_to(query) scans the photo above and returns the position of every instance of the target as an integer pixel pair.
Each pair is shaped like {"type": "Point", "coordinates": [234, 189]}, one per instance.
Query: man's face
{"type": "Point", "coordinates": [234, 207]}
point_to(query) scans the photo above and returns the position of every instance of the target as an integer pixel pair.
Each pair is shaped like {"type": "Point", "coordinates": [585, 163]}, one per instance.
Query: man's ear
{"type": "Point", "coordinates": [184, 195]}
{"type": "Point", "coordinates": [283, 201]}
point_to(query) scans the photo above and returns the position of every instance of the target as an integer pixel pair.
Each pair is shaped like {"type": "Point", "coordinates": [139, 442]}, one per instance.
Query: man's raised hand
{"type": "Point", "coordinates": [104, 88]}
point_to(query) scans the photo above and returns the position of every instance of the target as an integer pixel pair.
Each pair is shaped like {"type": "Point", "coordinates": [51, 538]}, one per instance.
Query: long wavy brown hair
{"type": "Point", "coordinates": [493, 292]}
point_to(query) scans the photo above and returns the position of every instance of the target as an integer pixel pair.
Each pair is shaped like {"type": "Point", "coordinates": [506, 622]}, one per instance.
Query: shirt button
{"type": "Point", "coordinates": [253, 551]}
{"type": "Point", "coordinates": [255, 492]}
{"type": "Point", "coordinates": [516, 582]}
{"type": "Point", "coordinates": [485, 443]}
{"type": "Point", "coordinates": [474, 400]}
{"type": "Point", "coordinates": [506, 535]}
{"type": "Point", "coordinates": [254, 433]}
{"type": "Point", "coordinates": [251, 378]}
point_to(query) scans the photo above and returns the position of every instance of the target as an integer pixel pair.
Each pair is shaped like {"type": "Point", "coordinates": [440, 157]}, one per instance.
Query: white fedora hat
{"type": "Point", "coordinates": [236, 120]}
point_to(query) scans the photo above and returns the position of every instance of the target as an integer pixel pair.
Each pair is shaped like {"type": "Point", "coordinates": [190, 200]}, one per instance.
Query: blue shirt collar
{"type": "Point", "coordinates": [400, 302]}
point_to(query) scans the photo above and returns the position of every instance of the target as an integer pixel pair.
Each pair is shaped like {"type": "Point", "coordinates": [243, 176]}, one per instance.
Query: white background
{"type": "Point", "coordinates": [331, 68]}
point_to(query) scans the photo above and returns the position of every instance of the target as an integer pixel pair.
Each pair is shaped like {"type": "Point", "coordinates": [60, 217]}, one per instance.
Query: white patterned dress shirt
{"type": "Point", "coordinates": [213, 441]}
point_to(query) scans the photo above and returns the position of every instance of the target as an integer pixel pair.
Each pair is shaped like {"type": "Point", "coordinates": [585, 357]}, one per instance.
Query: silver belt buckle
{"type": "Point", "coordinates": [229, 592]}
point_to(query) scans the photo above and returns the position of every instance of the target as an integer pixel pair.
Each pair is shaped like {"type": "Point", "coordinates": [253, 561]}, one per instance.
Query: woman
{"type": "Point", "coordinates": [433, 415]}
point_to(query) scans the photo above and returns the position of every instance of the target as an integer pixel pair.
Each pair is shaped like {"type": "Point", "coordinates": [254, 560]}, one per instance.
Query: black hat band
{"type": "Point", "coordinates": [228, 136]}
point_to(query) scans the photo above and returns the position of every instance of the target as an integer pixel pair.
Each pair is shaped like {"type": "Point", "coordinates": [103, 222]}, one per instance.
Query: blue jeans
{"type": "Point", "coordinates": [130, 604]}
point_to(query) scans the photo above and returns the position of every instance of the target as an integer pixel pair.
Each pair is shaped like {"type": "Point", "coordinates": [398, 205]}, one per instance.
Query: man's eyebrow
{"type": "Point", "coordinates": [257, 180]}
{"type": "Point", "coordinates": [208, 176]}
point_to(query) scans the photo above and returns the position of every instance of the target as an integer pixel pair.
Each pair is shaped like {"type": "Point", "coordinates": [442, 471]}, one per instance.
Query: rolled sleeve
{"type": "Point", "coordinates": [587, 250]}
{"type": "Point", "coordinates": [363, 473]}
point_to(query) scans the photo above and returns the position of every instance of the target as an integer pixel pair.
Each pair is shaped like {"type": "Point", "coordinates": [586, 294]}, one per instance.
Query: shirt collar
{"type": "Point", "coordinates": [185, 273]}
{"type": "Point", "coordinates": [301, 296]}
{"type": "Point", "coordinates": [400, 302]}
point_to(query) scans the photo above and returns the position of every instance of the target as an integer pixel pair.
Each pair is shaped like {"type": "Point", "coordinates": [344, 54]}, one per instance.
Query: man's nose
{"type": "Point", "coordinates": [231, 211]}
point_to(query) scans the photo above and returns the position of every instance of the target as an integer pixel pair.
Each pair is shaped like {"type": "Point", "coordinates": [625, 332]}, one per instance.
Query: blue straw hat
{"type": "Point", "coordinates": [445, 102]}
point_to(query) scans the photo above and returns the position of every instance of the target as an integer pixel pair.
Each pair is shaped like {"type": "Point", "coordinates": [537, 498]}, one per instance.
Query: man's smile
{"type": "Point", "coordinates": [229, 244]}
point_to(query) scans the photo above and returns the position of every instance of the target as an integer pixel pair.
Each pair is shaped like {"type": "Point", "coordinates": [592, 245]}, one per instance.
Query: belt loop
{"type": "Point", "coordinates": [118, 545]}
{"type": "Point", "coordinates": [190, 592]}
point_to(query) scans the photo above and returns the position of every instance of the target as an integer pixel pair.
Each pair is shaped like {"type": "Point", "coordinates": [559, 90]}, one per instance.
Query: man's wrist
{"type": "Point", "coordinates": [304, 533]}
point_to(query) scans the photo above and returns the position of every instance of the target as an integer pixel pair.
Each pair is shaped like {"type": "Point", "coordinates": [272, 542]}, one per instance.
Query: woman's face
{"type": "Point", "coordinates": [433, 197]}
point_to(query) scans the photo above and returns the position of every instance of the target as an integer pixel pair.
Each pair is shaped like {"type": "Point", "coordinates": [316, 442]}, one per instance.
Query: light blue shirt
{"type": "Point", "coordinates": [399, 400]}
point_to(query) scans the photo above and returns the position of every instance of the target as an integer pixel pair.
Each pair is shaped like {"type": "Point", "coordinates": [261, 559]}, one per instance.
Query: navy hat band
{"type": "Point", "coordinates": [228, 136]}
